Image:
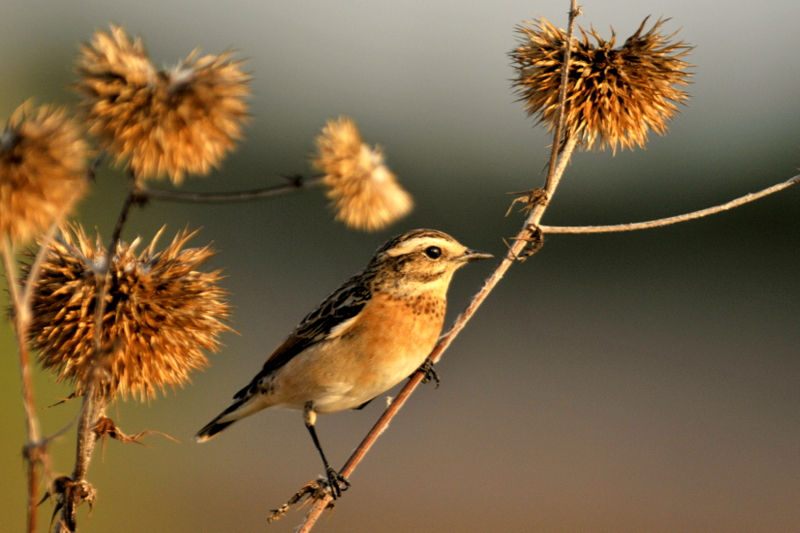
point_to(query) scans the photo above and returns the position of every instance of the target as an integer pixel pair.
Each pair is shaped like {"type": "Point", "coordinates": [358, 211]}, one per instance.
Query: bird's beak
{"type": "Point", "coordinates": [472, 255]}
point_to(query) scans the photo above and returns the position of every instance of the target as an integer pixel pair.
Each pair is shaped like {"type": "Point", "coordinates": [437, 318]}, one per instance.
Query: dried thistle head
{"type": "Point", "coordinates": [42, 170]}
{"type": "Point", "coordinates": [167, 123]}
{"type": "Point", "coordinates": [364, 192]}
{"type": "Point", "coordinates": [614, 96]}
{"type": "Point", "coordinates": [161, 313]}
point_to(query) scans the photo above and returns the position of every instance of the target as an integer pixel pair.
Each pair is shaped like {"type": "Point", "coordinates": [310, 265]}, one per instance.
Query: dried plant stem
{"type": "Point", "coordinates": [94, 407]}
{"type": "Point", "coordinates": [558, 135]}
{"type": "Point", "coordinates": [35, 272]}
{"type": "Point", "coordinates": [34, 450]}
{"type": "Point", "coordinates": [94, 404]}
{"type": "Point", "coordinates": [134, 196]}
{"type": "Point", "coordinates": [91, 172]}
{"type": "Point", "coordinates": [21, 320]}
{"type": "Point", "coordinates": [561, 153]}
{"type": "Point", "coordinates": [672, 220]}
{"type": "Point", "coordinates": [513, 254]}
{"type": "Point", "coordinates": [294, 183]}
{"type": "Point", "coordinates": [380, 426]}
{"type": "Point", "coordinates": [520, 242]}
{"type": "Point", "coordinates": [33, 482]}
{"type": "Point", "coordinates": [11, 272]}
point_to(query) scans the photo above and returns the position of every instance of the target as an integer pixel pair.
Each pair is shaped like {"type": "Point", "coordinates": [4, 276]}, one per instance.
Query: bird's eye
{"type": "Point", "coordinates": [434, 252]}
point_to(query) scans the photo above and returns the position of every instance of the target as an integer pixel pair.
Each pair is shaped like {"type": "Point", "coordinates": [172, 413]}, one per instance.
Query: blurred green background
{"type": "Point", "coordinates": [618, 383]}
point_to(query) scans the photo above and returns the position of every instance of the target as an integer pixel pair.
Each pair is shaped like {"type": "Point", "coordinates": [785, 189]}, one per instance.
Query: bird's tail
{"type": "Point", "coordinates": [242, 407]}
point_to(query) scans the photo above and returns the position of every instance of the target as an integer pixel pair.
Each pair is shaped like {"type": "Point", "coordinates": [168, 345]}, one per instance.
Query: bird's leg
{"type": "Point", "coordinates": [336, 481]}
{"type": "Point", "coordinates": [429, 373]}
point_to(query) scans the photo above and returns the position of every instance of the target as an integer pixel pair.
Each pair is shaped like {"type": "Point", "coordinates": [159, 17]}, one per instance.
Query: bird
{"type": "Point", "coordinates": [376, 329]}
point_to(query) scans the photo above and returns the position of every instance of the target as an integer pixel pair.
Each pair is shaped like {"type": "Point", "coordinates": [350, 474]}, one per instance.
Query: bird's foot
{"type": "Point", "coordinates": [336, 482]}
{"type": "Point", "coordinates": [429, 373]}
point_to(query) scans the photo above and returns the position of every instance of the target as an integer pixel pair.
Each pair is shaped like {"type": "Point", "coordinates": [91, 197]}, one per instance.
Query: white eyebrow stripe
{"type": "Point", "coordinates": [408, 246]}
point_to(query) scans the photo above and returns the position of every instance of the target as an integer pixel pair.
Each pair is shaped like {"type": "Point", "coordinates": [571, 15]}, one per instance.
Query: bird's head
{"type": "Point", "coordinates": [422, 259]}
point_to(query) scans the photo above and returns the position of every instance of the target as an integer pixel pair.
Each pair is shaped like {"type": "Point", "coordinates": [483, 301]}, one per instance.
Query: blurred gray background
{"type": "Point", "coordinates": [618, 383]}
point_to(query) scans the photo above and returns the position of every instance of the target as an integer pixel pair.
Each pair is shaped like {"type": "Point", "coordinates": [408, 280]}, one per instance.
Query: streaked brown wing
{"type": "Point", "coordinates": [343, 304]}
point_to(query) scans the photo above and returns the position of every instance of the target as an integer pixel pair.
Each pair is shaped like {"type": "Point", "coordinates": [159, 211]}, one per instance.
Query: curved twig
{"type": "Point", "coordinates": [36, 271]}
{"type": "Point", "coordinates": [94, 405]}
{"type": "Point", "coordinates": [555, 171]}
{"type": "Point", "coordinates": [672, 220]}
{"type": "Point", "coordinates": [34, 449]}
{"type": "Point", "coordinates": [294, 183]}
{"type": "Point", "coordinates": [21, 320]}
{"type": "Point", "coordinates": [558, 135]}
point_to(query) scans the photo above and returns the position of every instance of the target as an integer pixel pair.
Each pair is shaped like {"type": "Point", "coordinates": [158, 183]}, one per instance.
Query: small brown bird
{"type": "Point", "coordinates": [375, 330]}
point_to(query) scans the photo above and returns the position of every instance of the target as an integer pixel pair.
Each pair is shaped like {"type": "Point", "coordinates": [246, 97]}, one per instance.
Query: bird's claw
{"type": "Point", "coordinates": [429, 372]}
{"type": "Point", "coordinates": [337, 482]}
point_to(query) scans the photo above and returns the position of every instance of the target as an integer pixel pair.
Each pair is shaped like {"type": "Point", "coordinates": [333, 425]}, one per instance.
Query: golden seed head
{"type": "Point", "coordinates": [168, 123]}
{"type": "Point", "coordinates": [42, 170]}
{"type": "Point", "coordinates": [362, 189]}
{"type": "Point", "coordinates": [614, 96]}
{"type": "Point", "coordinates": [161, 313]}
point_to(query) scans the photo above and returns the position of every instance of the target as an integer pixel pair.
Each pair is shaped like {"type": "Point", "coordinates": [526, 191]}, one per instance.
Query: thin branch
{"type": "Point", "coordinates": [35, 448]}
{"type": "Point", "coordinates": [46, 440]}
{"type": "Point", "coordinates": [520, 242]}
{"type": "Point", "coordinates": [94, 404]}
{"type": "Point", "coordinates": [115, 236]}
{"type": "Point", "coordinates": [558, 135]}
{"type": "Point", "coordinates": [294, 183]}
{"type": "Point", "coordinates": [11, 272]}
{"type": "Point", "coordinates": [36, 271]}
{"type": "Point", "coordinates": [21, 320]}
{"type": "Point", "coordinates": [398, 402]}
{"type": "Point", "coordinates": [91, 172]}
{"type": "Point", "coordinates": [135, 196]}
{"type": "Point", "coordinates": [672, 220]}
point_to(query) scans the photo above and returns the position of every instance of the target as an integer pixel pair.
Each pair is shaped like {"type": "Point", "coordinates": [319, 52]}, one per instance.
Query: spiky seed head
{"type": "Point", "coordinates": [363, 191]}
{"type": "Point", "coordinates": [42, 170]}
{"type": "Point", "coordinates": [163, 123]}
{"type": "Point", "coordinates": [614, 95]}
{"type": "Point", "coordinates": [161, 313]}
